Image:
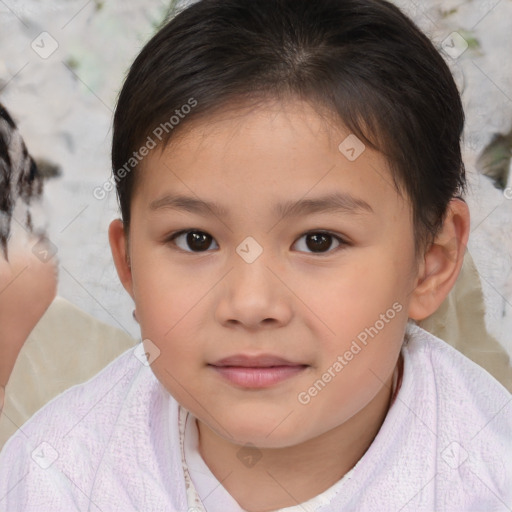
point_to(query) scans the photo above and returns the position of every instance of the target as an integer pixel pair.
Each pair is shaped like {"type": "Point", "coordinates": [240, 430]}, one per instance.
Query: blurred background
{"type": "Point", "coordinates": [62, 63]}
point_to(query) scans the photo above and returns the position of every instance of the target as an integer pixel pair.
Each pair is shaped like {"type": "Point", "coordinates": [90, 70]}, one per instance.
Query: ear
{"type": "Point", "coordinates": [119, 247]}
{"type": "Point", "coordinates": [441, 263]}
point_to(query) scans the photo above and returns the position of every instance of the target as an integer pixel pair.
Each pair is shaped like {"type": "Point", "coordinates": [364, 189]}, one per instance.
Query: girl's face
{"type": "Point", "coordinates": [272, 265]}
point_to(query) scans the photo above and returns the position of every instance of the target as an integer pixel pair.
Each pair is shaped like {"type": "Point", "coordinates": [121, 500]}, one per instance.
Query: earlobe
{"type": "Point", "coordinates": [442, 262]}
{"type": "Point", "coordinates": [118, 246]}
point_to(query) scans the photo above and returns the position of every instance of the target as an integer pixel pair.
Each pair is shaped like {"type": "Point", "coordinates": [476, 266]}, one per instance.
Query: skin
{"type": "Point", "coordinates": [28, 286]}
{"type": "Point", "coordinates": [292, 302]}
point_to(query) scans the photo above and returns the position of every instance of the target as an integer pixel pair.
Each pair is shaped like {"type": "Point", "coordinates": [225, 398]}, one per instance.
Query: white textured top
{"type": "Point", "coordinates": [113, 444]}
{"type": "Point", "coordinates": [206, 494]}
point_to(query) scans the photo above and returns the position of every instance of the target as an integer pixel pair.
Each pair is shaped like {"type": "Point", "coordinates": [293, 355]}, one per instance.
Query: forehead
{"type": "Point", "coordinates": [274, 155]}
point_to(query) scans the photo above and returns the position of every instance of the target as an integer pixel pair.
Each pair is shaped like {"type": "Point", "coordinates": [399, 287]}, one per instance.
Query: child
{"type": "Point", "coordinates": [290, 178]}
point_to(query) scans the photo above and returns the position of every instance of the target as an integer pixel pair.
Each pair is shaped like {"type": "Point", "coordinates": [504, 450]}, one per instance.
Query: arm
{"type": "Point", "coordinates": [28, 285]}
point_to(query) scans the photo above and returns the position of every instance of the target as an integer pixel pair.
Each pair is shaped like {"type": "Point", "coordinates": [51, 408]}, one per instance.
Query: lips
{"type": "Point", "coordinates": [263, 361]}
{"type": "Point", "coordinates": [261, 371]}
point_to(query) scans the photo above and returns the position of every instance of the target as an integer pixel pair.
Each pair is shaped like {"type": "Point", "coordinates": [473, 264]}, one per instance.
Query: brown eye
{"type": "Point", "coordinates": [320, 242]}
{"type": "Point", "coordinates": [196, 241]}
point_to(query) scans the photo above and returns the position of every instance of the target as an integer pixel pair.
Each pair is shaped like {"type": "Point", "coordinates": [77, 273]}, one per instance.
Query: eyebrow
{"type": "Point", "coordinates": [339, 202]}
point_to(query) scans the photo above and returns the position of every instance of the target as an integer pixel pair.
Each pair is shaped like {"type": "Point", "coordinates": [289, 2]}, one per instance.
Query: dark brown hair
{"type": "Point", "coordinates": [362, 60]}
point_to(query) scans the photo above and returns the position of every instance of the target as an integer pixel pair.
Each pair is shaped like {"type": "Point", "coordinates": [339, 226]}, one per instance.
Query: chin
{"type": "Point", "coordinates": [263, 433]}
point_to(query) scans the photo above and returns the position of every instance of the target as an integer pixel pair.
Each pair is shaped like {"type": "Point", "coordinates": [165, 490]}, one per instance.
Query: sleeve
{"type": "Point", "coordinates": [32, 480]}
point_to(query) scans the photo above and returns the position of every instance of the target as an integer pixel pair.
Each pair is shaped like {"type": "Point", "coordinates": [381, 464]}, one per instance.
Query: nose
{"type": "Point", "coordinates": [252, 296]}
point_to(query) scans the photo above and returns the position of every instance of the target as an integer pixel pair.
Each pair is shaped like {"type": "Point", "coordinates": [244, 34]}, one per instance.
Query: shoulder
{"type": "Point", "coordinates": [65, 440]}
{"type": "Point", "coordinates": [86, 404]}
{"type": "Point", "coordinates": [455, 374]}
{"type": "Point", "coordinates": [469, 413]}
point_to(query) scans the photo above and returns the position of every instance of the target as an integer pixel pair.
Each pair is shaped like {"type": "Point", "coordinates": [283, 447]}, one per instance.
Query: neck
{"type": "Point", "coordinates": [283, 477]}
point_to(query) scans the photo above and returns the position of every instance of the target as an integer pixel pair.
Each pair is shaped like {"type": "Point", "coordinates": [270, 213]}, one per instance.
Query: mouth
{"type": "Point", "coordinates": [256, 372]}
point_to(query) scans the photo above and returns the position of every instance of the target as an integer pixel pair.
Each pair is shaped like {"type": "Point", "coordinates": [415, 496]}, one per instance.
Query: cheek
{"type": "Point", "coordinates": [356, 368]}
{"type": "Point", "coordinates": [365, 310]}
{"type": "Point", "coordinates": [354, 297]}
{"type": "Point", "coordinates": [168, 309]}
{"type": "Point", "coordinates": [178, 354]}
{"type": "Point", "coordinates": [161, 293]}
